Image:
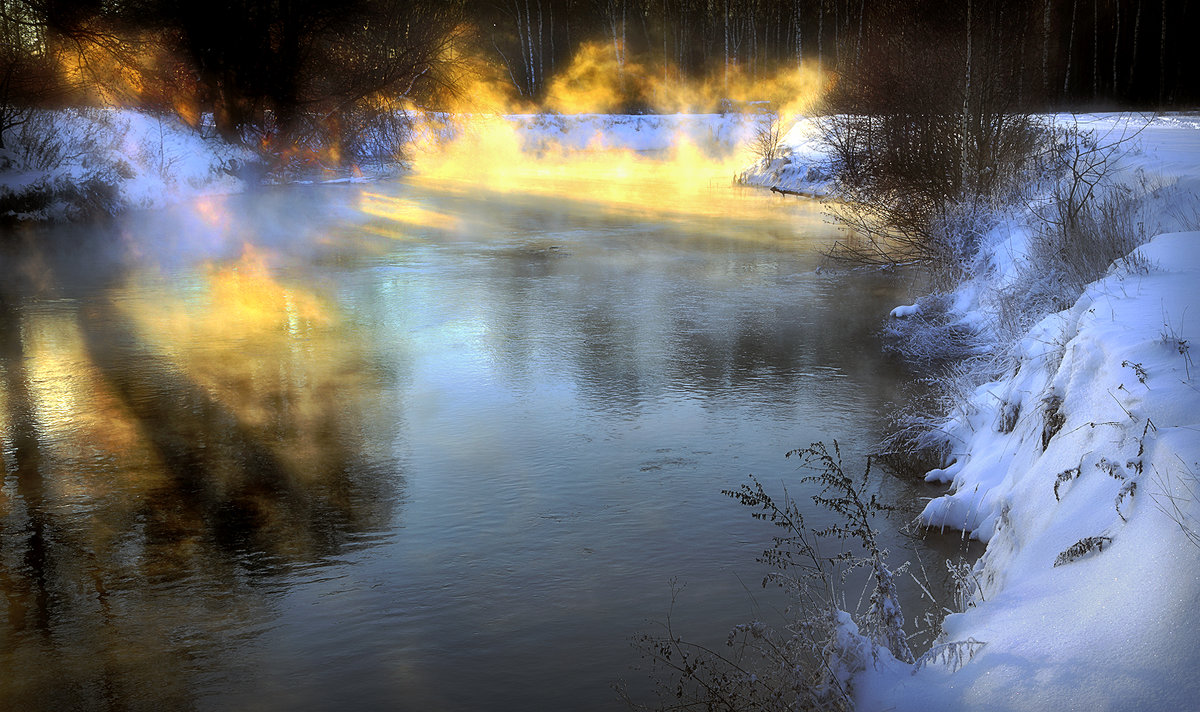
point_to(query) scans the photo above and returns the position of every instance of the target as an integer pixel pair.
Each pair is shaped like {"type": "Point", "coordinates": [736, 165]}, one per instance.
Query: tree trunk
{"type": "Point", "coordinates": [1070, 50]}
{"type": "Point", "coordinates": [726, 46]}
{"type": "Point", "coordinates": [541, 43]}
{"type": "Point", "coordinates": [837, 46]}
{"type": "Point", "coordinates": [966, 110]}
{"type": "Point", "coordinates": [1046, 50]}
{"type": "Point", "coordinates": [666, 33]}
{"type": "Point", "coordinates": [799, 39]}
{"type": "Point", "coordinates": [1137, 28]}
{"type": "Point", "coordinates": [533, 79]}
{"type": "Point", "coordinates": [1116, 45]}
{"type": "Point", "coordinates": [820, 31]}
{"type": "Point", "coordinates": [862, 11]}
{"type": "Point", "coordinates": [1162, 57]}
{"type": "Point", "coordinates": [1095, 49]}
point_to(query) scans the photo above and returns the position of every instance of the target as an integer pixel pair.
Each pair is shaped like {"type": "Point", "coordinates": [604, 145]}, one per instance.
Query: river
{"type": "Point", "coordinates": [412, 445]}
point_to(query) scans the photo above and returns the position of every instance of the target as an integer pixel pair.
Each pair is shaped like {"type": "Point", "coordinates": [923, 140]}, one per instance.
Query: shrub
{"type": "Point", "coordinates": [768, 133]}
{"type": "Point", "coordinates": [75, 173]}
{"type": "Point", "coordinates": [810, 663]}
{"type": "Point", "coordinates": [920, 144]}
{"type": "Point", "coordinates": [1088, 222]}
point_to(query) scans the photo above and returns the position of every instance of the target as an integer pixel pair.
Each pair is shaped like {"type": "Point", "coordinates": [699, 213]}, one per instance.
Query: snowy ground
{"type": "Point", "coordinates": [802, 165]}
{"type": "Point", "coordinates": [75, 164]}
{"type": "Point", "coordinates": [1080, 468]}
{"type": "Point", "coordinates": [1169, 146]}
{"type": "Point", "coordinates": [723, 133]}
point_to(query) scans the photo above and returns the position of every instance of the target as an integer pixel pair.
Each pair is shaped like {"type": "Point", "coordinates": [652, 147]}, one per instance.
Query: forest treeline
{"type": "Point", "coordinates": [293, 60]}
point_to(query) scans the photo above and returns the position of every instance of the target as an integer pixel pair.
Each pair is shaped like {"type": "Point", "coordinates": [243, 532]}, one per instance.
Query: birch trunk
{"type": "Point", "coordinates": [966, 110]}
{"type": "Point", "coordinates": [1046, 49]}
{"type": "Point", "coordinates": [1070, 49]}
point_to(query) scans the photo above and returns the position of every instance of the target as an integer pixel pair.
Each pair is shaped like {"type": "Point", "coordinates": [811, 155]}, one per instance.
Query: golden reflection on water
{"type": "Point", "coordinates": [161, 440]}
{"type": "Point", "coordinates": [403, 212]}
{"type": "Point", "coordinates": [274, 356]}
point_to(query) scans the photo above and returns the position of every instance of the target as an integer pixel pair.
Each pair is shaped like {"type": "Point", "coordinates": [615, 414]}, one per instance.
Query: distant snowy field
{"type": "Point", "coordinates": [720, 133]}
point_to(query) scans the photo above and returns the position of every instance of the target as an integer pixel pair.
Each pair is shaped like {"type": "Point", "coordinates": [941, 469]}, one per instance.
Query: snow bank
{"type": "Point", "coordinates": [650, 132]}
{"type": "Point", "coordinates": [71, 164]}
{"type": "Point", "coordinates": [718, 134]}
{"type": "Point", "coordinates": [1169, 146]}
{"type": "Point", "coordinates": [1080, 468]}
{"type": "Point", "coordinates": [802, 165]}
{"type": "Point", "coordinates": [1081, 471]}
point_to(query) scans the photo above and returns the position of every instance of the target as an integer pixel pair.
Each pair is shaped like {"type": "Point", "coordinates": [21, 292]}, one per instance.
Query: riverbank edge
{"type": "Point", "coordinates": [1078, 468]}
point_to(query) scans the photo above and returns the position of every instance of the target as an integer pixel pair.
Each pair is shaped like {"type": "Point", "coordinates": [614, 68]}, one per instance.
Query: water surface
{"type": "Point", "coordinates": [408, 446]}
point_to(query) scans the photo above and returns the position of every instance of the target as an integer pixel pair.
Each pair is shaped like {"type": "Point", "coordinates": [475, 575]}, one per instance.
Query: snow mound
{"type": "Point", "coordinates": [802, 166]}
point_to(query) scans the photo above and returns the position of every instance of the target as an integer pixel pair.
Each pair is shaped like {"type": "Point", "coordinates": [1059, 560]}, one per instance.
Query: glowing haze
{"type": "Point", "coordinates": [496, 141]}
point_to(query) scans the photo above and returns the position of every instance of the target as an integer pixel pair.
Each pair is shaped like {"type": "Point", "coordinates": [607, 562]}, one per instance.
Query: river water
{"type": "Point", "coordinates": [410, 446]}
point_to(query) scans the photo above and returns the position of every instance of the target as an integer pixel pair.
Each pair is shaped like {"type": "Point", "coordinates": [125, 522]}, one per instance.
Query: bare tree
{"type": "Point", "coordinates": [1046, 49]}
{"type": "Point", "coordinates": [1162, 56]}
{"type": "Point", "coordinates": [1095, 49]}
{"type": "Point", "coordinates": [1137, 24]}
{"type": "Point", "coordinates": [1116, 44]}
{"type": "Point", "coordinates": [1070, 50]}
{"type": "Point", "coordinates": [917, 140]}
{"type": "Point", "coordinates": [614, 13]}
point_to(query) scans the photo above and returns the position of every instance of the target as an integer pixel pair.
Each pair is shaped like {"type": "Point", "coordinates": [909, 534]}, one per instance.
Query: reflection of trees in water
{"type": "Point", "coordinates": [666, 332]}
{"type": "Point", "coordinates": [827, 323]}
{"type": "Point", "coordinates": [141, 511]}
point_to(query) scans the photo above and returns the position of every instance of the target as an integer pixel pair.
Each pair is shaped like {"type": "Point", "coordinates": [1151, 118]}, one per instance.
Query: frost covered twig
{"type": "Point", "coordinates": [954, 655]}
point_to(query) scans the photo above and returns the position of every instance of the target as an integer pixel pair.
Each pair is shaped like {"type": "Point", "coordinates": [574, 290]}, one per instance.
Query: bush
{"type": "Point", "coordinates": [932, 334]}
{"type": "Point", "coordinates": [908, 197]}
{"type": "Point", "coordinates": [810, 663]}
{"type": "Point", "coordinates": [363, 134]}
{"type": "Point", "coordinates": [919, 146]}
{"type": "Point", "coordinates": [1088, 222]}
{"type": "Point", "coordinates": [74, 175]}
{"type": "Point", "coordinates": [768, 133]}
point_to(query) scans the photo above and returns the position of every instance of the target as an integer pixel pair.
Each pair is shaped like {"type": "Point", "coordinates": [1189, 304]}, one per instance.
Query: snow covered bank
{"type": "Point", "coordinates": [65, 165]}
{"type": "Point", "coordinates": [802, 165]}
{"type": "Point", "coordinates": [648, 132]}
{"type": "Point", "coordinates": [1081, 470]}
{"type": "Point", "coordinates": [1169, 143]}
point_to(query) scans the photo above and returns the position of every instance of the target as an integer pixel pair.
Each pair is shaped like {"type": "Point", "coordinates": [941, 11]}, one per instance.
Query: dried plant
{"type": "Point", "coordinates": [809, 663]}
